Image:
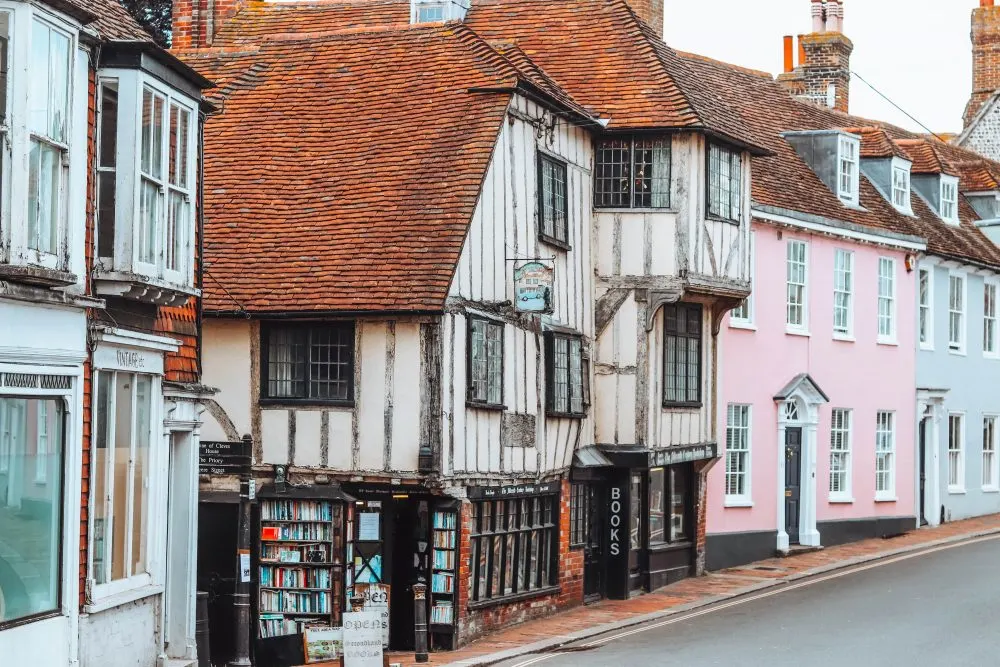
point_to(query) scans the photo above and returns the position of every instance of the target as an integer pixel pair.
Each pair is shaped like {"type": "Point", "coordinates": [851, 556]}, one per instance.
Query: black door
{"type": "Point", "coordinates": [923, 470]}
{"type": "Point", "coordinates": [793, 482]}
{"type": "Point", "coordinates": [409, 531]}
{"type": "Point", "coordinates": [593, 551]}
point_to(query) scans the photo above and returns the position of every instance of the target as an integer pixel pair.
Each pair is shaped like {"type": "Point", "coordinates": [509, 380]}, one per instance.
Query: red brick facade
{"type": "Point", "coordinates": [985, 57]}
{"type": "Point", "coordinates": [475, 623]}
{"type": "Point", "coordinates": [195, 22]}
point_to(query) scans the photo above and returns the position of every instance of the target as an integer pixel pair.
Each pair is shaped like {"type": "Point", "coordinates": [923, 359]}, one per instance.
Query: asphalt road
{"type": "Point", "coordinates": [940, 609]}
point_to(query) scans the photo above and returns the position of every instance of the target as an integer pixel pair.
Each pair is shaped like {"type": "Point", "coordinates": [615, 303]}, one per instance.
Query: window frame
{"type": "Point", "coordinates": [956, 453]}
{"type": "Point", "coordinates": [883, 437]}
{"type": "Point", "coordinates": [801, 328]}
{"type": "Point", "coordinates": [419, 7]}
{"type": "Point", "coordinates": [714, 211]}
{"type": "Point", "coordinates": [845, 290]}
{"type": "Point", "coordinates": [470, 399]}
{"type": "Point", "coordinates": [958, 346]}
{"type": "Point", "coordinates": [266, 330]}
{"type": "Point", "coordinates": [64, 539]}
{"type": "Point", "coordinates": [551, 382]}
{"type": "Point", "coordinates": [848, 155]}
{"type": "Point", "coordinates": [684, 336]}
{"type": "Point", "coordinates": [991, 457]}
{"type": "Point", "coordinates": [991, 336]}
{"type": "Point", "coordinates": [887, 297]}
{"type": "Point", "coordinates": [155, 483]}
{"type": "Point", "coordinates": [489, 535]}
{"type": "Point", "coordinates": [744, 455]}
{"type": "Point", "coordinates": [949, 183]}
{"type": "Point", "coordinates": [554, 239]}
{"type": "Point", "coordinates": [845, 452]}
{"type": "Point", "coordinates": [632, 139]}
{"type": "Point", "coordinates": [737, 320]}
{"type": "Point", "coordinates": [902, 203]}
{"type": "Point", "coordinates": [579, 515]}
{"type": "Point", "coordinates": [925, 334]}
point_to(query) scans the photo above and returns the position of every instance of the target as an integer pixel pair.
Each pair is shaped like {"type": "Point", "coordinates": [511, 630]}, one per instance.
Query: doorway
{"type": "Point", "coordinates": [923, 471]}
{"type": "Point", "coordinates": [593, 550]}
{"type": "Point", "coordinates": [793, 483]}
{"type": "Point", "coordinates": [408, 545]}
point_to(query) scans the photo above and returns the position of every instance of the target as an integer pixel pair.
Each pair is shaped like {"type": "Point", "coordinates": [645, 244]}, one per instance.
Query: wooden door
{"type": "Point", "coordinates": [793, 482]}
{"type": "Point", "coordinates": [593, 551]}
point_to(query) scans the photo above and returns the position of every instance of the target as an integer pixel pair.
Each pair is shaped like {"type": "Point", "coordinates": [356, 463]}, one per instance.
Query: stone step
{"type": "Point", "coordinates": [798, 550]}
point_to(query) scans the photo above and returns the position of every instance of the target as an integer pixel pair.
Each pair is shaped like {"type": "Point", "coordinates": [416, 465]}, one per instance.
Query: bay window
{"type": "Point", "coordinates": [682, 327]}
{"type": "Point", "coordinates": [48, 147]}
{"type": "Point", "coordinates": [725, 180]}
{"type": "Point", "coordinates": [122, 466]}
{"type": "Point", "coordinates": [632, 172]}
{"type": "Point", "coordinates": [146, 163]}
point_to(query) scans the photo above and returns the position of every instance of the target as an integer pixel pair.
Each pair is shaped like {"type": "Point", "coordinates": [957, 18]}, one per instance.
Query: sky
{"type": "Point", "coordinates": [916, 52]}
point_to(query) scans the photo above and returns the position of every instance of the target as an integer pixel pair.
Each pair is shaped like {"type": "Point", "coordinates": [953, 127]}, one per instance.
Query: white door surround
{"type": "Point", "coordinates": [930, 415]}
{"type": "Point", "coordinates": [798, 407]}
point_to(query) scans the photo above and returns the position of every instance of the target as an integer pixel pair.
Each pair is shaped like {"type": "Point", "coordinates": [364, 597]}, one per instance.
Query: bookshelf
{"type": "Point", "coordinates": [444, 579]}
{"type": "Point", "coordinates": [299, 567]}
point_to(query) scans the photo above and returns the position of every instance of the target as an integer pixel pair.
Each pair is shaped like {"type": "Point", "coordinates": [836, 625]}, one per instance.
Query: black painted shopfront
{"type": "Point", "coordinates": [634, 513]}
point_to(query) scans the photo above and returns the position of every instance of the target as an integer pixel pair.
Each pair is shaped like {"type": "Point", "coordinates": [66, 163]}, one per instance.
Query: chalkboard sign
{"type": "Point", "coordinates": [223, 458]}
{"type": "Point", "coordinates": [322, 644]}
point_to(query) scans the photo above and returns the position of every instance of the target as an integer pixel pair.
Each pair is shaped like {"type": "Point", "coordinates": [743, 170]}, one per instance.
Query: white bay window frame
{"type": "Point", "coordinates": [162, 250]}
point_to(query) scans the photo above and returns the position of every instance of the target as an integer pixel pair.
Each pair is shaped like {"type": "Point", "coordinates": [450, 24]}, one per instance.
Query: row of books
{"type": "Point", "coordinates": [296, 531]}
{"type": "Point", "coordinates": [296, 510]}
{"type": "Point", "coordinates": [295, 577]}
{"type": "Point", "coordinates": [444, 519]}
{"type": "Point", "coordinates": [276, 625]}
{"type": "Point", "coordinates": [444, 560]}
{"type": "Point", "coordinates": [444, 539]}
{"type": "Point", "coordinates": [290, 553]}
{"type": "Point", "coordinates": [442, 612]}
{"type": "Point", "coordinates": [442, 582]}
{"type": "Point", "coordinates": [302, 602]}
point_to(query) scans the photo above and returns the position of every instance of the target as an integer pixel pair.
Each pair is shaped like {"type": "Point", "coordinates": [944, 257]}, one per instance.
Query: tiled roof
{"type": "Point", "coordinates": [925, 159]}
{"type": "Point", "coordinates": [876, 143]}
{"type": "Point", "coordinates": [978, 175]}
{"type": "Point", "coordinates": [265, 20]}
{"type": "Point", "coordinates": [343, 169]}
{"type": "Point", "coordinates": [112, 21]}
{"type": "Point", "coordinates": [785, 181]}
{"type": "Point", "coordinates": [611, 62]}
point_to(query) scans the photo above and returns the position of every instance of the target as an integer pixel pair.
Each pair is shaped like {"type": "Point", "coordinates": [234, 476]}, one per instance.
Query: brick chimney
{"type": "Point", "coordinates": [650, 11]}
{"type": "Point", "coordinates": [196, 22]}
{"type": "Point", "coordinates": [823, 74]}
{"type": "Point", "coordinates": [985, 56]}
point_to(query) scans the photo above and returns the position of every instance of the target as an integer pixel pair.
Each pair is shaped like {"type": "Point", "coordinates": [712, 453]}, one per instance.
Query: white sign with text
{"type": "Point", "coordinates": [362, 639]}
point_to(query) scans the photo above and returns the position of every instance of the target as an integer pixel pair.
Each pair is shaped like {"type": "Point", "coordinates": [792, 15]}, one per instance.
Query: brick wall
{"type": "Point", "coordinates": [195, 22]}
{"type": "Point", "coordinates": [826, 59]}
{"type": "Point", "coordinates": [985, 58]}
{"type": "Point", "coordinates": [477, 622]}
{"type": "Point", "coordinates": [650, 11]}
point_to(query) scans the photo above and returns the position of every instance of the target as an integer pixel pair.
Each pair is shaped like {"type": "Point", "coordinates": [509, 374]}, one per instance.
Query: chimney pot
{"type": "Point", "coordinates": [789, 53]}
{"type": "Point", "coordinates": [817, 16]}
{"type": "Point", "coordinates": [985, 3]}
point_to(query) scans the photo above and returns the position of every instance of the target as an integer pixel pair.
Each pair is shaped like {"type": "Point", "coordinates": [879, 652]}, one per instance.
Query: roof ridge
{"type": "Point", "coordinates": [715, 61]}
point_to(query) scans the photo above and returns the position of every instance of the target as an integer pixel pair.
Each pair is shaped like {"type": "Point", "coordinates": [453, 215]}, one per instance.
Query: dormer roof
{"type": "Point", "coordinates": [876, 143]}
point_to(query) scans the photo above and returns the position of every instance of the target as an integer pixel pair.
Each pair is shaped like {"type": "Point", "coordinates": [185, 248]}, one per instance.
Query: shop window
{"type": "Point", "coordinates": [682, 355]}
{"type": "Point", "coordinates": [515, 546]}
{"type": "Point", "coordinates": [308, 363]}
{"type": "Point", "coordinates": [669, 518]}
{"type": "Point", "coordinates": [485, 362]}
{"type": "Point", "coordinates": [123, 476]}
{"type": "Point", "coordinates": [579, 515]}
{"type": "Point", "coordinates": [566, 376]}
{"type": "Point", "coordinates": [635, 519]}
{"type": "Point", "coordinates": [31, 457]}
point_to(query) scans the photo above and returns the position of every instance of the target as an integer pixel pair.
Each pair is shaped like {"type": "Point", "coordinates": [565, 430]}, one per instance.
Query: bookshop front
{"type": "Point", "coordinates": [320, 545]}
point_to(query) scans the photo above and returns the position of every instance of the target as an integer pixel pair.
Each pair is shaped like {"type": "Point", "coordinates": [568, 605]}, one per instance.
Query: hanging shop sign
{"type": "Point", "coordinates": [533, 287]}
{"type": "Point", "coordinates": [512, 491]}
{"type": "Point", "coordinates": [223, 458]}
{"type": "Point", "coordinates": [675, 455]}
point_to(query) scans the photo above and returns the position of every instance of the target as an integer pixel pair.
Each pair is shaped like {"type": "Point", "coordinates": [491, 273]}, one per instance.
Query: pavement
{"type": "Point", "coordinates": [698, 594]}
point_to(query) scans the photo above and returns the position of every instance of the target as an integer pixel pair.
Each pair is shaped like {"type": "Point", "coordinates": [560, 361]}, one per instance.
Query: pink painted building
{"type": "Point", "coordinates": [817, 407]}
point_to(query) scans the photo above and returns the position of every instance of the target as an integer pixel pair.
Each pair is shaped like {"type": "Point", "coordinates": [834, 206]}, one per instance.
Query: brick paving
{"type": "Point", "coordinates": [701, 589]}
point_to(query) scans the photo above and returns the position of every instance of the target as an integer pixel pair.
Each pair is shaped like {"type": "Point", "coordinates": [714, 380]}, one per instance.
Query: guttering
{"type": "Point", "coordinates": [320, 314]}
{"type": "Point", "coordinates": [817, 223]}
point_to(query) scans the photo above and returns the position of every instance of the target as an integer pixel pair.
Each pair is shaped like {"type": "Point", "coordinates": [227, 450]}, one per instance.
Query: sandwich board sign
{"type": "Point", "coordinates": [362, 639]}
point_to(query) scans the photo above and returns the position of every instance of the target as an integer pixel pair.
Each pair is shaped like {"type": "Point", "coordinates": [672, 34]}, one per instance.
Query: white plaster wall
{"type": "Point", "coordinates": [226, 366]}
{"type": "Point", "coordinates": [124, 636]}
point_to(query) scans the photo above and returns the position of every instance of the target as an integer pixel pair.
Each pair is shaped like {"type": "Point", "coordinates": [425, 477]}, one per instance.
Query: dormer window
{"type": "Point", "coordinates": [430, 13]}
{"type": "Point", "coordinates": [901, 185]}
{"type": "Point", "coordinates": [847, 170]}
{"type": "Point", "coordinates": [437, 11]}
{"type": "Point", "coordinates": [949, 199]}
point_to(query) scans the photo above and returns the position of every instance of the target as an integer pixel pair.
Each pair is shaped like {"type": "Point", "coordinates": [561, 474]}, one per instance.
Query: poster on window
{"type": "Point", "coordinates": [533, 287]}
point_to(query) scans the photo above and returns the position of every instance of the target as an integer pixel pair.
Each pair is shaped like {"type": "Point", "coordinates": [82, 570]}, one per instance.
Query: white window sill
{"type": "Point", "coordinates": [891, 342]}
{"type": "Point", "coordinates": [797, 332]}
{"type": "Point", "coordinates": [841, 500]}
{"type": "Point", "coordinates": [746, 326]}
{"type": "Point", "coordinates": [738, 502]}
{"type": "Point", "coordinates": [926, 347]}
{"type": "Point", "coordinates": [845, 337]}
{"type": "Point", "coordinates": [885, 498]}
{"type": "Point", "coordinates": [991, 489]}
{"type": "Point", "coordinates": [124, 597]}
{"type": "Point", "coordinates": [957, 353]}
{"type": "Point", "coordinates": [956, 490]}
{"type": "Point", "coordinates": [991, 355]}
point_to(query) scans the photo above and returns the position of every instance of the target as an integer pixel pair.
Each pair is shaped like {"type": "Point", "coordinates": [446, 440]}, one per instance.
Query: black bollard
{"type": "Point", "coordinates": [201, 640]}
{"type": "Point", "coordinates": [420, 621]}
